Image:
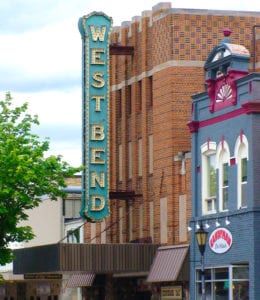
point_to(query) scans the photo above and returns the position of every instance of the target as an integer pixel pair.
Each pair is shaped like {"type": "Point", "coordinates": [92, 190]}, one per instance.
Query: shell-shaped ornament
{"type": "Point", "coordinates": [224, 93]}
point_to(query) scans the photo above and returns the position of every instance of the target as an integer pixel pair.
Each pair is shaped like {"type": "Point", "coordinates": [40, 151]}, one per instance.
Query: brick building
{"type": "Point", "coordinates": [156, 63]}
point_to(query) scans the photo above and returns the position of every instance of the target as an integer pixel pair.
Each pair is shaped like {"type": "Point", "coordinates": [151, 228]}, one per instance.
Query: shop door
{"type": "Point", "coordinates": [21, 291]}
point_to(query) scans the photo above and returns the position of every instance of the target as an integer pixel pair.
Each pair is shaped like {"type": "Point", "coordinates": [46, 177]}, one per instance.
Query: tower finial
{"type": "Point", "coordinates": [227, 32]}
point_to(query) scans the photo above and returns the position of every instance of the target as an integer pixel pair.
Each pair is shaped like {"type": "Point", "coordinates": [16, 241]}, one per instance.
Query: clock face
{"type": "Point", "coordinates": [224, 93]}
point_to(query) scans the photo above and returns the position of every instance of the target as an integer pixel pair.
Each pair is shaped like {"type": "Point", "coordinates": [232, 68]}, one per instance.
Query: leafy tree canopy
{"type": "Point", "coordinates": [25, 174]}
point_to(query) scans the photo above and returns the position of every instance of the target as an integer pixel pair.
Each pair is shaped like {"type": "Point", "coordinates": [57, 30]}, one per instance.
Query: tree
{"type": "Point", "coordinates": [25, 174]}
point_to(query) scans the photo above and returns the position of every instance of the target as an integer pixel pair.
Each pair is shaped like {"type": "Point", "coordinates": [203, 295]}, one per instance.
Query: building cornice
{"type": "Point", "coordinates": [250, 107]}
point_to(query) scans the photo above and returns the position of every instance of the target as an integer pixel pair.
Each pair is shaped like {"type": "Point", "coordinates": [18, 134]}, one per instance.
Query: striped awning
{"type": "Point", "coordinates": [78, 280]}
{"type": "Point", "coordinates": [168, 264]}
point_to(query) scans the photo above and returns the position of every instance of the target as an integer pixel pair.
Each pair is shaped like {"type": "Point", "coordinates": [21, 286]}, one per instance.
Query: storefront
{"type": "Point", "coordinates": [101, 270]}
{"type": "Point", "coordinates": [169, 273]}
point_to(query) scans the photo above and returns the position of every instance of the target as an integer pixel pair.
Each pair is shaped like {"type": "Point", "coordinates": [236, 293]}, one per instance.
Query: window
{"type": "Point", "coordinates": [224, 186]}
{"type": "Point", "coordinates": [130, 161]}
{"type": "Point", "coordinates": [121, 225]}
{"type": "Point", "coordinates": [150, 142]}
{"type": "Point", "coordinates": [241, 154]}
{"type": "Point", "coordinates": [209, 177]}
{"type": "Point", "coordinates": [211, 169]}
{"type": "Point", "coordinates": [120, 163]}
{"type": "Point", "coordinates": [227, 283]}
{"type": "Point", "coordinates": [139, 96]}
{"type": "Point", "coordinates": [73, 235]}
{"type": "Point", "coordinates": [150, 91]}
{"type": "Point", "coordinates": [72, 208]}
{"type": "Point", "coordinates": [128, 100]}
{"type": "Point", "coordinates": [103, 232]}
{"type": "Point", "coordinates": [243, 181]}
{"type": "Point", "coordinates": [163, 221]}
{"type": "Point", "coordinates": [141, 221]}
{"type": "Point", "coordinates": [151, 220]}
{"type": "Point", "coordinates": [140, 158]}
{"type": "Point", "coordinates": [182, 218]}
{"type": "Point", "coordinates": [93, 233]}
{"type": "Point", "coordinates": [131, 222]}
{"type": "Point", "coordinates": [119, 103]}
{"type": "Point", "coordinates": [223, 163]}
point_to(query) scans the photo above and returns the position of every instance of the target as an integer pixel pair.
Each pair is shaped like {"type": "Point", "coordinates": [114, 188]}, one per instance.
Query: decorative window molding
{"type": "Point", "coordinates": [222, 164]}
{"type": "Point", "coordinates": [208, 176]}
{"type": "Point", "coordinates": [242, 157]}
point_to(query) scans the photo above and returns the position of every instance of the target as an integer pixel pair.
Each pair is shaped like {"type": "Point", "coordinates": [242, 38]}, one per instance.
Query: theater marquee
{"type": "Point", "coordinates": [95, 31]}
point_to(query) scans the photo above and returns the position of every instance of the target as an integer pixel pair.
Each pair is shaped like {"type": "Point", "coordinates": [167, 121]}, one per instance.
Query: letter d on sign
{"type": "Point", "coordinates": [98, 202]}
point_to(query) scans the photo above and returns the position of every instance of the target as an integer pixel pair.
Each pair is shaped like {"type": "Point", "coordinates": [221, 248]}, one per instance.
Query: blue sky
{"type": "Point", "coordinates": [40, 58]}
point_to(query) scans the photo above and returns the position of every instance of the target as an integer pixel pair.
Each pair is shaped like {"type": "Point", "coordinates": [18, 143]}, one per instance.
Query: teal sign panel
{"type": "Point", "coordinates": [95, 31]}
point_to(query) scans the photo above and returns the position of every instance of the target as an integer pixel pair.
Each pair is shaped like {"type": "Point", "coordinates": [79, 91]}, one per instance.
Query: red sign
{"type": "Point", "coordinates": [220, 240]}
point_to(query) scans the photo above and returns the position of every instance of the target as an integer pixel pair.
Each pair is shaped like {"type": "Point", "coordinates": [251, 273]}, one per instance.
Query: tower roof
{"type": "Point", "coordinates": [227, 55]}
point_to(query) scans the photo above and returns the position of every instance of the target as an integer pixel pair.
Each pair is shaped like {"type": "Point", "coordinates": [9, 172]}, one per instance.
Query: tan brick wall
{"type": "Point", "coordinates": [172, 47]}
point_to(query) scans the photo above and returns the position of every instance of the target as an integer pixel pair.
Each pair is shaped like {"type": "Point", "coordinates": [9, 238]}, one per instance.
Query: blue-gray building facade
{"type": "Point", "coordinates": [225, 130]}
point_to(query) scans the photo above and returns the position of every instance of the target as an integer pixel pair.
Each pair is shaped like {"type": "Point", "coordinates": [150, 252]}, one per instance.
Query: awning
{"type": "Point", "coordinates": [84, 258]}
{"type": "Point", "coordinates": [78, 280]}
{"type": "Point", "coordinates": [170, 264]}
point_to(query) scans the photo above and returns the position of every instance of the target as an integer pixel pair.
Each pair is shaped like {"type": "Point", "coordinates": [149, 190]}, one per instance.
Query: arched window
{"type": "Point", "coordinates": [208, 185]}
{"type": "Point", "coordinates": [241, 155]}
{"type": "Point", "coordinates": [222, 164]}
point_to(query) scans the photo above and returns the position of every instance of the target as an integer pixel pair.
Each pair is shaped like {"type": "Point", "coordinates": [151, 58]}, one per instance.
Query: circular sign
{"type": "Point", "coordinates": [220, 240]}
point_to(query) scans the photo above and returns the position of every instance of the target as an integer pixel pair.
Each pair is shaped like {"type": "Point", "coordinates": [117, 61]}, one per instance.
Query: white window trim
{"type": "Point", "coordinates": [207, 149]}
{"type": "Point", "coordinates": [241, 151]}
{"type": "Point", "coordinates": [222, 157]}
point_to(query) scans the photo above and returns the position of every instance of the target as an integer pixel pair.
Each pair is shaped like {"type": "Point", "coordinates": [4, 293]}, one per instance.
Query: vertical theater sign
{"type": "Point", "coordinates": [95, 31]}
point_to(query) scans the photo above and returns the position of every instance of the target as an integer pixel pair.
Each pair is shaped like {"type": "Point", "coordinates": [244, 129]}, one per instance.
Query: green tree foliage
{"type": "Point", "coordinates": [25, 174]}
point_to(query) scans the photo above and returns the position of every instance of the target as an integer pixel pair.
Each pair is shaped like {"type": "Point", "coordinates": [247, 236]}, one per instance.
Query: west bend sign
{"type": "Point", "coordinates": [95, 30]}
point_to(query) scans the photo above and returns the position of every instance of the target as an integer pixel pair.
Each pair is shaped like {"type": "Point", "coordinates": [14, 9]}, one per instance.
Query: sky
{"type": "Point", "coordinates": [40, 58]}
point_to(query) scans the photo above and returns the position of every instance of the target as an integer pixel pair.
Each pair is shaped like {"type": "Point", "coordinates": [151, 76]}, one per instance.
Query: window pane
{"type": "Point", "coordinates": [244, 170]}
{"type": "Point", "coordinates": [241, 290]}
{"type": "Point", "coordinates": [240, 273]}
{"type": "Point", "coordinates": [210, 204]}
{"type": "Point", "coordinates": [212, 175]}
{"type": "Point", "coordinates": [221, 273]}
{"type": "Point", "coordinates": [207, 274]}
{"type": "Point", "coordinates": [225, 174]}
{"type": "Point", "coordinates": [221, 290]}
{"type": "Point", "coordinates": [207, 290]}
{"type": "Point", "coordinates": [243, 194]}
